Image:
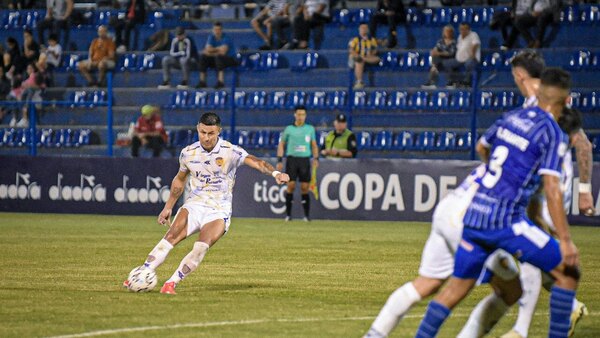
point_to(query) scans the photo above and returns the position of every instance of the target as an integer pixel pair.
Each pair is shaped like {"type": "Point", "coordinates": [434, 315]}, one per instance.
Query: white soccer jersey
{"type": "Point", "coordinates": [212, 174]}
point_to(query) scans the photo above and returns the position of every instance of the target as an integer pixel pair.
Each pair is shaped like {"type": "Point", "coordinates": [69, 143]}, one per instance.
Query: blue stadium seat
{"type": "Point", "coordinates": [31, 18]}
{"type": "Point", "coordinates": [248, 61]}
{"type": "Point", "coordinates": [486, 100]}
{"type": "Point", "coordinates": [268, 61]}
{"type": "Point", "coordinates": [257, 99]}
{"type": "Point", "coordinates": [78, 98]}
{"type": "Point", "coordinates": [308, 61]}
{"type": "Point", "coordinates": [82, 137]}
{"type": "Point", "coordinates": [580, 60]}
{"type": "Point", "coordinates": [12, 137]}
{"type": "Point", "coordinates": [183, 137]}
{"type": "Point", "coordinates": [413, 16]}
{"type": "Point", "coordinates": [242, 138]}
{"type": "Point", "coordinates": [439, 100]}
{"type": "Point", "coordinates": [365, 140]}
{"type": "Point", "coordinates": [426, 141]}
{"type": "Point", "coordinates": [404, 140]}
{"type": "Point", "coordinates": [389, 60]}
{"type": "Point", "coordinates": [464, 142]}
{"type": "Point", "coordinates": [595, 139]}
{"type": "Point", "coordinates": [296, 98]}
{"type": "Point", "coordinates": [148, 61]}
{"type": "Point", "coordinates": [591, 102]}
{"type": "Point", "coordinates": [219, 100]}
{"type": "Point", "coordinates": [442, 16]}
{"type": "Point", "coordinates": [360, 16]}
{"type": "Point", "coordinates": [336, 99]}
{"type": "Point", "coordinates": [277, 100]}
{"type": "Point", "coordinates": [97, 97]}
{"type": "Point", "coordinates": [460, 100]}
{"type": "Point", "coordinates": [576, 99]}
{"type": "Point", "coordinates": [171, 135]}
{"type": "Point", "coordinates": [342, 17]}
{"type": "Point", "coordinates": [460, 15]}
{"type": "Point", "coordinates": [359, 101]}
{"type": "Point", "coordinates": [409, 61]}
{"type": "Point", "coordinates": [398, 100]}
{"type": "Point", "coordinates": [383, 140]}
{"type": "Point", "coordinates": [316, 100]}
{"type": "Point", "coordinates": [321, 136]}
{"type": "Point", "coordinates": [199, 99]}
{"type": "Point", "coordinates": [62, 138]}
{"type": "Point", "coordinates": [590, 14]}
{"type": "Point", "coordinates": [2, 132]}
{"type": "Point", "coordinates": [492, 61]}
{"type": "Point", "coordinates": [179, 100]}
{"type": "Point", "coordinates": [70, 61]}
{"type": "Point", "coordinates": [11, 20]}
{"type": "Point", "coordinates": [378, 100]}
{"type": "Point", "coordinates": [23, 138]}
{"type": "Point", "coordinates": [570, 15]}
{"type": "Point", "coordinates": [127, 62]}
{"type": "Point", "coordinates": [225, 134]}
{"type": "Point", "coordinates": [446, 141]}
{"type": "Point", "coordinates": [482, 16]}
{"type": "Point", "coordinates": [274, 139]}
{"type": "Point", "coordinates": [504, 100]}
{"type": "Point", "coordinates": [240, 99]}
{"type": "Point", "coordinates": [418, 100]}
{"type": "Point", "coordinates": [44, 137]}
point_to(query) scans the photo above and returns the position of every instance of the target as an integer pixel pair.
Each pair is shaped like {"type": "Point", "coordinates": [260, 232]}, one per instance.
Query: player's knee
{"type": "Point", "coordinates": [504, 267]}
{"type": "Point", "coordinates": [510, 291]}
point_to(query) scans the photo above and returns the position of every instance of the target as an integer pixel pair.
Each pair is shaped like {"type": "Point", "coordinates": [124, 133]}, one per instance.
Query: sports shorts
{"type": "Point", "coordinates": [298, 168]}
{"type": "Point", "coordinates": [199, 215]}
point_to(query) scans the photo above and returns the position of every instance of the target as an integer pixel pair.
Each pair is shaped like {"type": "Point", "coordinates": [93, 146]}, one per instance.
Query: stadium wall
{"type": "Point", "coordinates": [359, 189]}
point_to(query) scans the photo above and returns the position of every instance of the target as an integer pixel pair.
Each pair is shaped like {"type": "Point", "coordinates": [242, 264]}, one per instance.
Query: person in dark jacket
{"type": "Point", "coordinates": [390, 12]}
{"type": "Point", "coordinates": [135, 15]}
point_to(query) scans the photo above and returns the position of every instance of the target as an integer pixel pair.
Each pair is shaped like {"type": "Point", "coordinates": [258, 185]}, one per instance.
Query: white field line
{"type": "Point", "coordinates": [245, 322]}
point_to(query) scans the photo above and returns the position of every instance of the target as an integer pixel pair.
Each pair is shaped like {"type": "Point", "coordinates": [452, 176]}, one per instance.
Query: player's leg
{"type": "Point", "coordinates": [304, 178]}
{"type": "Point", "coordinates": [210, 233]}
{"type": "Point", "coordinates": [176, 233]}
{"type": "Point", "coordinates": [531, 281]}
{"type": "Point", "coordinates": [502, 273]}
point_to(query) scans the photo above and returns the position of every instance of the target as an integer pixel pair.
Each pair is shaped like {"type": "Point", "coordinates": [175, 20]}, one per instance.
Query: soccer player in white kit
{"type": "Point", "coordinates": [211, 165]}
{"type": "Point", "coordinates": [527, 67]}
{"type": "Point", "coordinates": [437, 264]}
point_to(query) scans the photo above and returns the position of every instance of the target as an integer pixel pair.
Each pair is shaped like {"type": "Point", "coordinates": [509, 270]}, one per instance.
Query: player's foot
{"type": "Point", "coordinates": [288, 218]}
{"type": "Point", "coordinates": [126, 283]}
{"type": "Point", "coordinates": [168, 288]}
{"type": "Point", "coordinates": [373, 334]}
{"type": "Point", "coordinates": [306, 219]}
{"type": "Point", "coordinates": [579, 312]}
{"type": "Point", "coordinates": [511, 334]}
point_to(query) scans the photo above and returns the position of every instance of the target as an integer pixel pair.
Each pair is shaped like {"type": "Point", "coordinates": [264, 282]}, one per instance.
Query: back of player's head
{"type": "Point", "coordinates": [531, 61]}
{"type": "Point", "coordinates": [570, 120]}
{"type": "Point", "coordinates": [210, 119]}
{"type": "Point", "coordinates": [555, 86]}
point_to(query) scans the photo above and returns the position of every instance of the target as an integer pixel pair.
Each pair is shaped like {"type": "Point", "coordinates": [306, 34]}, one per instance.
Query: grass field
{"type": "Point", "coordinates": [62, 274]}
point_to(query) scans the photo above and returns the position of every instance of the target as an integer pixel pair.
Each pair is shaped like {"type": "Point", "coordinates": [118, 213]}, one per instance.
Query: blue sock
{"type": "Point", "coordinates": [434, 318]}
{"type": "Point", "coordinates": [561, 302]}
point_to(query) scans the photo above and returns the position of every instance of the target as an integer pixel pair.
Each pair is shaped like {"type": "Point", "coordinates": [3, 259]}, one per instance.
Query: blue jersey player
{"type": "Point", "coordinates": [523, 149]}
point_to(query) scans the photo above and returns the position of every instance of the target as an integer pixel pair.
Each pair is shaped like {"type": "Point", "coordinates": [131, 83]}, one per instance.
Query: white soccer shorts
{"type": "Point", "coordinates": [199, 215]}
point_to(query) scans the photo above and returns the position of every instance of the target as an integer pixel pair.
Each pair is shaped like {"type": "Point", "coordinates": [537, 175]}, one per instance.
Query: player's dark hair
{"type": "Point", "coordinates": [570, 120]}
{"type": "Point", "coordinates": [531, 61]}
{"type": "Point", "coordinates": [556, 77]}
{"type": "Point", "coordinates": [299, 107]}
{"type": "Point", "coordinates": [218, 23]}
{"type": "Point", "coordinates": [210, 119]}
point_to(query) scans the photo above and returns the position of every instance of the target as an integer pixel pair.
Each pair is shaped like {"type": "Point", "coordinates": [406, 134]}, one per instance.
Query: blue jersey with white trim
{"type": "Point", "coordinates": [525, 144]}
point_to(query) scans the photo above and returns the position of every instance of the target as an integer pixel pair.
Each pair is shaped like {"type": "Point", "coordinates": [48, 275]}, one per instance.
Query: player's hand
{"type": "Point", "coordinates": [282, 178]}
{"type": "Point", "coordinates": [569, 253]}
{"type": "Point", "coordinates": [586, 204]}
{"type": "Point", "coordinates": [164, 218]}
{"type": "Point", "coordinates": [279, 166]}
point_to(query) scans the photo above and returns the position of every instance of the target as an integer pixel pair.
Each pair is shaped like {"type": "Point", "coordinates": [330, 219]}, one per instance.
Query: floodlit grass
{"type": "Point", "coordinates": [62, 274]}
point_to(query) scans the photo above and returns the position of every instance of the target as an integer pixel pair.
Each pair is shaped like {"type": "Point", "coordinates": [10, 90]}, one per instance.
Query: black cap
{"type": "Point", "coordinates": [179, 31]}
{"type": "Point", "coordinates": [340, 118]}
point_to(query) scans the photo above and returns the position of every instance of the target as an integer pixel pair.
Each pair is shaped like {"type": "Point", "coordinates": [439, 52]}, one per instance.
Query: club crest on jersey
{"type": "Point", "coordinates": [220, 161]}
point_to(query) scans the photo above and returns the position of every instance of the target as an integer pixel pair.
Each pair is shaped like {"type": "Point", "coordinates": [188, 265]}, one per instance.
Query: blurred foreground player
{"type": "Point", "coordinates": [211, 165]}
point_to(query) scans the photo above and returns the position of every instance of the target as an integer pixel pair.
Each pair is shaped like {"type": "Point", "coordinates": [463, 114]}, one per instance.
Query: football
{"type": "Point", "coordinates": [141, 279]}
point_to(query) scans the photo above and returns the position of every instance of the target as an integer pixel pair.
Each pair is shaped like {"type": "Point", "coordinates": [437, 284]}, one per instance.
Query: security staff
{"type": "Point", "coordinates": [298, 142]}
{"type": "Point", "coordinates": [340, 142]}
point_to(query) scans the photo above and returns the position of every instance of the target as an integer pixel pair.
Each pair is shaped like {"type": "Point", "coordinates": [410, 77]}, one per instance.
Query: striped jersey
{"type": "Point", "coordinates": [212, 174]}
{"type": "Point", "coordinates": [525, 144]}
{"type": "Point", "coordinates": [363, 46]}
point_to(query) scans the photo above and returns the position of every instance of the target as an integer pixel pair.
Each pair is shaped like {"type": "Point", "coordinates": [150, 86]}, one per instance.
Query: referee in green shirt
{"type": "Point", "coordinates": [298, 142]}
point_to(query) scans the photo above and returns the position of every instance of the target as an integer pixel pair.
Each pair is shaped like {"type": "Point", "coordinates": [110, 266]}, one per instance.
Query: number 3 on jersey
{"type": "Point", "coordinates": [495, 167]}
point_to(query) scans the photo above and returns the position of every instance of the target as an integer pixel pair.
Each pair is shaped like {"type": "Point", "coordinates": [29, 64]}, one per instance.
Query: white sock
{"type": "Point", "coordinates": [483, 318]}
{"type": "Point", "coordinates": [395, 308]}
{"type": "Point", "coordinates": [158, 255]}
{"type": "Point", "coordinates": [190, 262]}
{"type": "Point", "coordinates": [531, 282]}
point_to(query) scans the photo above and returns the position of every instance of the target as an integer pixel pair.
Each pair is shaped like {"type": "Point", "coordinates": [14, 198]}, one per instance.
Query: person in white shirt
{"type": "Point", "coordinates": [209, 166]}
{"type": "Point", "coordinates": [53, 52]}
{"type": "Point", "coordinates": [468, 55]}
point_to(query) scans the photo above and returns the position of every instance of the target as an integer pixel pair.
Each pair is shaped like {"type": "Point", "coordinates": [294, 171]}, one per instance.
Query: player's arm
{"type": "Point", "coordinates": [483, 151]}
{"type": "Point", "coordinates": [266, 168]}
{"type": "Point", "coordinates": [177, 187]}
{"type": "Point", "coordinates": [557, 213]}
{"type": "Point", "coordinates": [583, 155]}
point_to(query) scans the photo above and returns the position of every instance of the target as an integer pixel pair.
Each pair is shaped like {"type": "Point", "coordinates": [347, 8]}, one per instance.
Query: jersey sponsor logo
{"type": "Point", "coordinates": [22, 189]}
{"type": "Point", "coordinates": [153, 192]}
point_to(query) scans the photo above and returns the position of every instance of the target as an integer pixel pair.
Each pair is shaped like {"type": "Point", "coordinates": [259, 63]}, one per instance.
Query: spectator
{"type": "Point", "coordinates": [58, 14]}
{"type": "Point", "coordinates": [135, 15]}
{"type": "Point", "coordinates": [468, 54]}
{"type": "Point", "coordinates": [53, 52]}
{"type": "Point", "coordinates": [101, 57]}
{"type": "Point", "coordinates": [362, 49]}
{"type": "Point", "coordinates": [181, 56]}
{"type": "Point", "coordinates": [4, 90]}
{"type": "Point", "coordinates": [31, 49]}
{"type": "Point", "coordinates": [312, 14]}
{"type": "Point", "coordinates": [29, 91]}
{"type": "Point", "coordinates": [390, 12]}
{"type": "Point", "coordinates": [275, 16]}
{"type": "Point", "coordinates": [13, 61]}
{"type": "Point", "coordinates": [443, 56]}
{"type": "Point", "coordinates": [218, 53]}
{"type": "Point", "coordinates": [340, 142]}
{"type": "Point", "coordinates": [149, 131]}
{"type": "Point", "coordinates": [543, 13]}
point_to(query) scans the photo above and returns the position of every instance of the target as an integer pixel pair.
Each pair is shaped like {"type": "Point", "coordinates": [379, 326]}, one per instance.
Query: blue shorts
{"type": "Point", "coordinates": [525, 241]}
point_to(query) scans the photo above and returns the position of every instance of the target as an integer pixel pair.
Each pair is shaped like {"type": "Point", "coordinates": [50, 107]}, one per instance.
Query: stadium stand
{"type": "Point", "coordinates": [392, 116]}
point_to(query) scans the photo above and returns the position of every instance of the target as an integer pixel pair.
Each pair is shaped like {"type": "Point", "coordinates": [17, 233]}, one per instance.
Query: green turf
{"type": "Point", "coordinates": [61, 274]}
